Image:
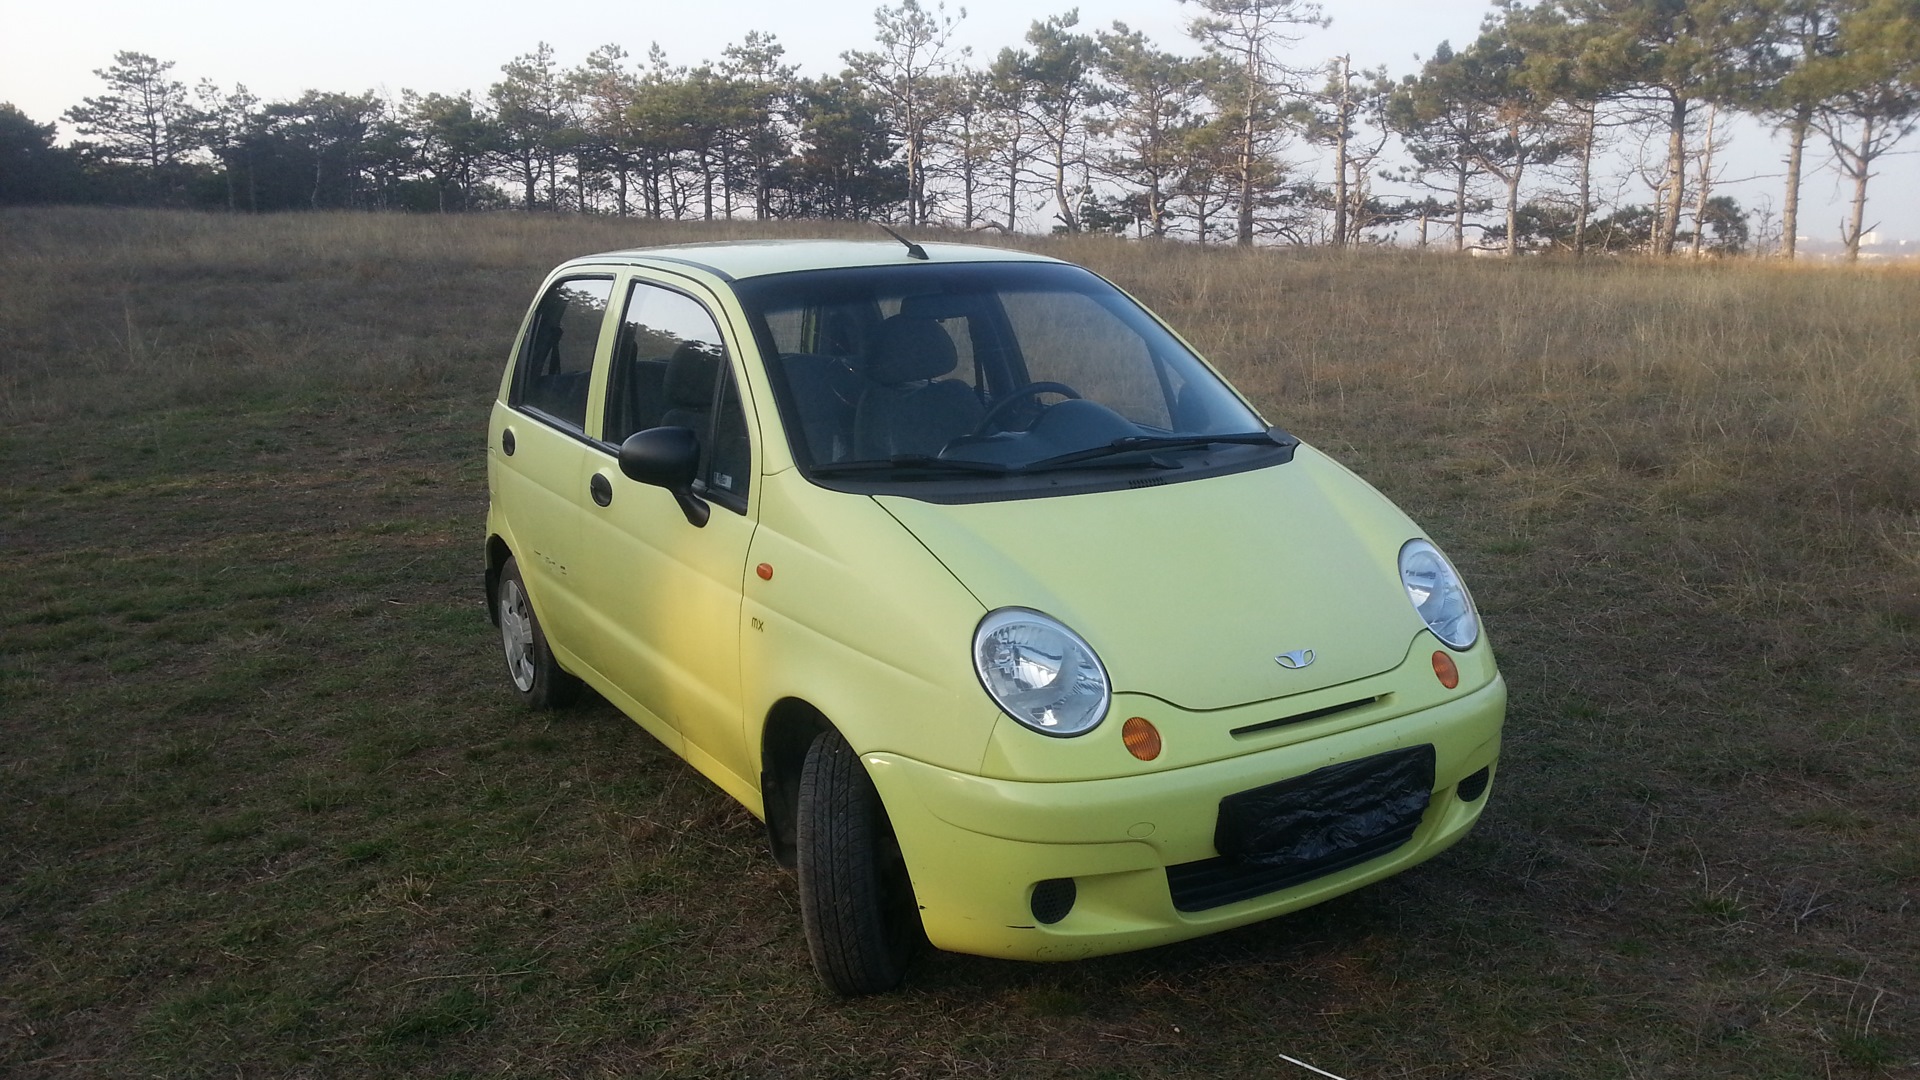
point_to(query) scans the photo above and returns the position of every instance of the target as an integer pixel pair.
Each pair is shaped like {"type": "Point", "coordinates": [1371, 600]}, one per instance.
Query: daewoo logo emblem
{"type": "Point", "coordinates": [1295, 660]}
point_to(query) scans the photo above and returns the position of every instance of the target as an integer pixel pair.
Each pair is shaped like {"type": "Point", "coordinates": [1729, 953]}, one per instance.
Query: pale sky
{"type": "Point", "coordinates": [49, 51]}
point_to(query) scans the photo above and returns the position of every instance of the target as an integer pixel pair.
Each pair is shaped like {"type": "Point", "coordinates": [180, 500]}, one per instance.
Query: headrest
{"type": "Point", "coordinates": [908, 349]}
{"type": "Point", "coordinates": [940, 305]}
{"type": "Point", "coordinates": [690, 375]}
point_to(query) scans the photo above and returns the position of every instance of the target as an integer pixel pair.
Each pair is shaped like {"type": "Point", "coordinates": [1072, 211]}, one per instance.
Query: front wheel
{"type": "Point", "coordinates": [855, 899]}
{"type": "Point", "coordinates": [537, 677]}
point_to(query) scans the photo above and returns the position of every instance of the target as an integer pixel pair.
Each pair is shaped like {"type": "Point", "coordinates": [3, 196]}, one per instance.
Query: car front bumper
{"type": "Point", "coordinates": [977, 848]}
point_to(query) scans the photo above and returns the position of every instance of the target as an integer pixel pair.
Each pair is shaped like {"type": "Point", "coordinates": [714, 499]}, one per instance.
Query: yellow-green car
{"type": "Point", "coordinates": [1022, 631]}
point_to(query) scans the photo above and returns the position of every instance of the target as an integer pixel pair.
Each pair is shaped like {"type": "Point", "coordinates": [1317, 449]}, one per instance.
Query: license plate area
{"type": "Point", "coordinates": [1286, 833]}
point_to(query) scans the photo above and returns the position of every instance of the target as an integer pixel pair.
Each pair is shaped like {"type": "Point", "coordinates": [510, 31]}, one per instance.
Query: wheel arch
{"type": "Point", "coordinates": [790, 728]}
{"type": "Point", "coordinates": [497, 555]}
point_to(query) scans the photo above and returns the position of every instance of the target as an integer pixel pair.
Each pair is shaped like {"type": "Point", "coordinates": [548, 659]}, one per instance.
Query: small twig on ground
{"type": "Point", "coordinates": [1309, 1068]}
{"type": "Point", "coordinates": [482, 975]}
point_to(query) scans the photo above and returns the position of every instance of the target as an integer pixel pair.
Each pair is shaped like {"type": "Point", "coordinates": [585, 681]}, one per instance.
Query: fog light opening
{"type": "Point", "coordinates": [1141, 737]}
{"type": "Point", "coordinates": [1053, 899]}
{"type": "Point", "coordinates": [1445, 670]}
{"type": "Point", "coordinates": [1473, 786]}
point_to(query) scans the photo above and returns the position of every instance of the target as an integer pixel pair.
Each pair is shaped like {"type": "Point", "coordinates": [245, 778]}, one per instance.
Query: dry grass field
{"type": "Point", "coordinates": [267, 809]}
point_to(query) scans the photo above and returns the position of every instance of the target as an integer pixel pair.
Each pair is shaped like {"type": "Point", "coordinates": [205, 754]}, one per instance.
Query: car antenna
{"type": "Point", "coordinates": [914, 251]}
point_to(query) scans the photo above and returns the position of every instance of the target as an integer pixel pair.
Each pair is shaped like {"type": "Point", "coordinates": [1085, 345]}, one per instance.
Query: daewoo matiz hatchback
{"type": "Point", "coordinates": [1020, 629]}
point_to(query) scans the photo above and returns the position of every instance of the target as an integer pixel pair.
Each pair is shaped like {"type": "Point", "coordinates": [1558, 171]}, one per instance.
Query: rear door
{"type": "Point", "coordinates": [540, 442]}
{"type": "Point", "coordinates": [665, 602]}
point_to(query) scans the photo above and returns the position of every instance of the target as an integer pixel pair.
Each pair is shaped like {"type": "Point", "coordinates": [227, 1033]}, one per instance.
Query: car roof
{"type": "Point", "coordinates": [737, 259]}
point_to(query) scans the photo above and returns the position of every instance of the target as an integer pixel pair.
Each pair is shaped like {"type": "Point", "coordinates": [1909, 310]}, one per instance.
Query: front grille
{"type": "Point", "coordinates": [1222, 880]}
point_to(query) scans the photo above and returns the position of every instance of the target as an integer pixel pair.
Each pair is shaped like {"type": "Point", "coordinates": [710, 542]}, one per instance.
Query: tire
{"type": "Point", "coordinates": [856, 902]}
{"type": "Point", "coordinates": [532, 671]}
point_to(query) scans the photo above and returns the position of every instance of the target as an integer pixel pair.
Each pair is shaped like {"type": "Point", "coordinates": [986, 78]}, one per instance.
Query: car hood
{"type": "Point", "coordinates": [1189, 591]}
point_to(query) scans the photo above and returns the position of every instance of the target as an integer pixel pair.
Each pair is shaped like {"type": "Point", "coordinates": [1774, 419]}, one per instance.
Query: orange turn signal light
{"type": "Point", "coordinates": [1444, 668]}
{"type": "Point", "coordinates": [1141, 737]}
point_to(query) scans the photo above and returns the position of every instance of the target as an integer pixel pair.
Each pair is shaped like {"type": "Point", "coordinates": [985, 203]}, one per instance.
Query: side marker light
{"type": "Point", "coordinates": [1445, 670]}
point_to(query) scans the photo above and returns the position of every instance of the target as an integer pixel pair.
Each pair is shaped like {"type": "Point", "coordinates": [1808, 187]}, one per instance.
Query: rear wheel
{"type": "Point", "coordinates": [537, 677]}
{"type": "Point", "coordinates": [862, 923]}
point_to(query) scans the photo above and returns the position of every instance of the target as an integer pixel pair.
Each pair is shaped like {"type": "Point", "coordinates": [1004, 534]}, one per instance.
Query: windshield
{"type": "Point", "coordinates": [931, 371]}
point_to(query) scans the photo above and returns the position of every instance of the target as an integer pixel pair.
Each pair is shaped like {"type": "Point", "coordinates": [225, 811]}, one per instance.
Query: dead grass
{"type": "Point", "coordinates": [267, 811]}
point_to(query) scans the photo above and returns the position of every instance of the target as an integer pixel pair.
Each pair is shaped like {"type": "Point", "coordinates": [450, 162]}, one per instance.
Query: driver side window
{"type": "Point", "coordinates": [670, 369]}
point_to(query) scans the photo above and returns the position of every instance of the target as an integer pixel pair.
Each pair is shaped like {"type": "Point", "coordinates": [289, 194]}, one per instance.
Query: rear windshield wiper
{"type": "Point", "coordinates": [909, 463]}
{"type": "Point", "coordinates": [1133, 444]}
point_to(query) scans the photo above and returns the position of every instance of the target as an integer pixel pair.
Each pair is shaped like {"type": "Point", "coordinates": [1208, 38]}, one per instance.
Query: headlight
{"type": "Point", "coordinates": [1040, 673]}
{"type": "Point", "coordinates": [1435, 589]}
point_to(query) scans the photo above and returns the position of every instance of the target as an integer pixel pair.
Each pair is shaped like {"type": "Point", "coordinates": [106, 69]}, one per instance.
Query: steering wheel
{"type": "Point", "coordinates": [1005, 404]}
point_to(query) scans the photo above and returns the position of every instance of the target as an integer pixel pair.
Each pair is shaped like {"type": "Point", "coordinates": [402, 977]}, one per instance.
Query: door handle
{"type": "Point", "coordinates": [601, 488]}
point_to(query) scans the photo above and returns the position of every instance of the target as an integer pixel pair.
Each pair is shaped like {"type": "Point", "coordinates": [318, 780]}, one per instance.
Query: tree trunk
{"type": "Point", "coordinates": [1460, 208]}
{"type": "Point", "coordinates": [1857, 217]}
{"type": "Point", "coordinates": [913, 159]}
{"type": "Point", "coordinates": [967, 184]}
{"type": "Point", "coordinates": [762, 188]}
{"type": "Point", "coordinates": [1796, 150]}
{"type": "Point", "coordinates": [1156, 214]}
{"type": "Point", "coordinates": [1513, 210]}
{"type": "Point", "coordinates": [1243, 232]}
{"type": "Point", "coordinates": [1676, 176]}
{"type": "Point", "coordinates": [706, 186]}
{"type": "Point", "coordinates": [1013, 183]}
{"type": "Point", "coordinates": [1591, 121]}
{"type": "Point", "coordinates": [1340, 157]}
{"type": "Point", "coordinates": [1705, 186]}
{"type": "Point", "coordinates": [1066, 212]}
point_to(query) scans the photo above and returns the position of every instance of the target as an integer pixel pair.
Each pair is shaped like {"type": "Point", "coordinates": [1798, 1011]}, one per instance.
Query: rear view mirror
{"type": "Point", "coordinates": [667, 457]}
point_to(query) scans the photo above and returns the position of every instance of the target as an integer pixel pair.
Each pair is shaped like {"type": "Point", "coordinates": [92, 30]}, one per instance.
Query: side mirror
{"type": "Point", "coordinates": [667, 457]}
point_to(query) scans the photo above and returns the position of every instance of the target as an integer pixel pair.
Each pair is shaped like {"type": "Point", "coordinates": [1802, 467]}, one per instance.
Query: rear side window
{"type": "Point", "coordinates": [556, 358]}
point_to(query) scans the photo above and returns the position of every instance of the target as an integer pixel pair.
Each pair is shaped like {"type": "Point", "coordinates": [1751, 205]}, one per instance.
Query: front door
{"type": "Point", "coordinates": [666, 596]}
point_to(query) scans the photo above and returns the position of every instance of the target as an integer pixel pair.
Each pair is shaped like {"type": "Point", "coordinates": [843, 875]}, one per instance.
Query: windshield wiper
{"type": "Point", "coordinates": [1133, 444]}
{"type": "Point", "coordinates": [909, 463]}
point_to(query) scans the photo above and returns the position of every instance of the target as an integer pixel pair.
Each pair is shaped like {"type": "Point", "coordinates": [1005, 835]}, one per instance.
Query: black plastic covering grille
{"type": "Point", "coordinates": [1222, 880]}
{"type": "Point", "coordinates": [1293, 831]}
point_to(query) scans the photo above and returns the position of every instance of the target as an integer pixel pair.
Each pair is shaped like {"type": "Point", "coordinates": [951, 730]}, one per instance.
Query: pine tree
{"type": "Point", "coordinates": [1248, 36]}
{"type": "Point", "coordinates": [915, 52]}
